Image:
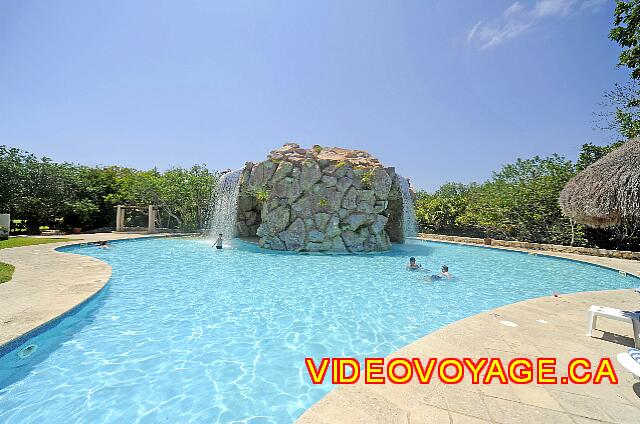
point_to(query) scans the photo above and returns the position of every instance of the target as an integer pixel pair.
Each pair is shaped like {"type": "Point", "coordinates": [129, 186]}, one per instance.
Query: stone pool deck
{"type": "Point", "coordinates": [562, 335]}
{"type": "Point", "coordinates": [47, 283]}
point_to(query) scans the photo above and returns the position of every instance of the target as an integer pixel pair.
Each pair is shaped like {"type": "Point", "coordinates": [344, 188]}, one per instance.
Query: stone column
{"type": "Point", "coordinates": [119, 218]}
{"type": "Point", "coordinates": [5, 226]}
{"type": "Point", "coordinates": [152, 220]}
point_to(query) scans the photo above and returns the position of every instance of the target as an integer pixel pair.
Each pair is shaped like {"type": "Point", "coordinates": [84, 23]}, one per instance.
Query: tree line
{"type": "Point", "coordinates": [38, 193]}
{"type": "Point", "coordinates": [520, 202]}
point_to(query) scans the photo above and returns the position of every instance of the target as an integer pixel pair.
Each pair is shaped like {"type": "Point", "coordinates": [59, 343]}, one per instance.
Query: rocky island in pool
{"type": "Point", "coordinates": [322, 199]}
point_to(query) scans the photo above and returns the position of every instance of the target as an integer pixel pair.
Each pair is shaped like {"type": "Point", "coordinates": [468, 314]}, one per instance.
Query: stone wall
{"type": "Point", "coordinates": [319, 199]}
{"type": "Point", "coordinates": [620, 254]}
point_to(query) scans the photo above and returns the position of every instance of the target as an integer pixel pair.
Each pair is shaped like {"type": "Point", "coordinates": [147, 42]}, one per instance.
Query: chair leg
{"type": "Point", "coordinates": [591, 323]}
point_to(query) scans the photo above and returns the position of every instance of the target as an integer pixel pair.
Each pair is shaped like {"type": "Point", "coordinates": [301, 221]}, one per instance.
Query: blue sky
{"type": "Point", "coordinates": [442, 90]}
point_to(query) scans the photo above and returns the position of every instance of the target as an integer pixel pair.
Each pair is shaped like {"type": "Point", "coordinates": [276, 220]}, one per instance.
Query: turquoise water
{"type": "Point", "coordinates": [185, 333]}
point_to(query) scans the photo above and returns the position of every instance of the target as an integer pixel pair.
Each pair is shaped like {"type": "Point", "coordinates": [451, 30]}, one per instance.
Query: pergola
{"type": "Point", "coordinates": [120, 214]}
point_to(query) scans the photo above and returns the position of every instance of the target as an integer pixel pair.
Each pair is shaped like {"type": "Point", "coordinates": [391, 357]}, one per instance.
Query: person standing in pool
{"type": "Point", "coordinates": [218, 244]}
{"type": "Point", "coordinates": [444, 274]}
{"type": "Point", "coordinates": [412, 265]}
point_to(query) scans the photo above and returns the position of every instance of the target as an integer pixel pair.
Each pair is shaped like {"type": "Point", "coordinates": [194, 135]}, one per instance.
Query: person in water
{"type": "Point", "coordinates": [444, 274]}
{"type": "Point", "coordinates": [103, 244]}
{"type": "Point", "coordinates": [412, 265]}
{"type": "Point", "coordinates": [218, 244]}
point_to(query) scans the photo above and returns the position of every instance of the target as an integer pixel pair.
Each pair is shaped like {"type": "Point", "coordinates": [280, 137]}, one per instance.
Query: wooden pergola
{"type": "Point", "coordinates": [120, 214]}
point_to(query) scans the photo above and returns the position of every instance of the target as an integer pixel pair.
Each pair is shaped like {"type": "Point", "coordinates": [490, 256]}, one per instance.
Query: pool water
{"type": "Point", "coordinates": [187, 333]}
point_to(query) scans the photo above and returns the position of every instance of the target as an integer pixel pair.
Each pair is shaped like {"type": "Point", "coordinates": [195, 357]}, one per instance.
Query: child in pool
{"type": "Point", "coordinates": [412, 265]}
{"type": "Point", "coordinates": [218, 244]}
{"type": "Point", "coordinates": [444, 274]}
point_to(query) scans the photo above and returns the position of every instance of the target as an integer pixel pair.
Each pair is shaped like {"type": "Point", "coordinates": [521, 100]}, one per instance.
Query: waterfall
{"type": "Point", "coordinates": [409, 226]}
{"type": "Point", "coordinates": [224, 211]}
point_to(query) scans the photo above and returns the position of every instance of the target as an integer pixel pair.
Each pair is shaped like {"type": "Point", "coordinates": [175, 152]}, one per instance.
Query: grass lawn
{"type": "Point", "coordinates": [27, 241]}
{"type": "Point", "coordinates": [6, 272]}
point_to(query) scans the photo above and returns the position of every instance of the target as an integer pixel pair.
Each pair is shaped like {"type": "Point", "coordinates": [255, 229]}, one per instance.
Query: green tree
{"type": "Point", "coordinates": [32, 189]}
{"type": "Point", "coordinates": [62, 195]}
{"type": "Point", "coordinates": [181, 195]}
{"type": "Point", "coordinates": [620, 111]}
{"type": "Point", "coordinates": [521, 202]}
{"type": "Point", "coordinates": [438, 212]}
{"type": "Point", "coordinates": [622, 104]}
{"type": "Point", "coordinates": [589, 153]}
{"type": "Point", "coordinates": [626, 33]}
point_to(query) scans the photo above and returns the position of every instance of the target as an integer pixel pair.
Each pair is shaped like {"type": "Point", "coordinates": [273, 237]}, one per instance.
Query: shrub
{"type": "Point", "coordinates": [367, 178]}
{"type": "Point", "coordinates": [262, 194]}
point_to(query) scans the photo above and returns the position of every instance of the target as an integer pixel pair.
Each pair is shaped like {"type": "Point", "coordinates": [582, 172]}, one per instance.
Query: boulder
{"type": "Point", "coordinates": [310, 174]}
{"type": "Point", "coordinates": [357, 220]}
{"type": "Point", "coordinates": [262, 173]}
{"type": "Point", "coordinates": [343, 183]}
{"type": "Point", "coordinates": [319, 199]}
{"type": "Point", "coordinates": [287, 188]}
{"type": "Point", "coordinates": [337, 245]}
{"type": "Point", "coordinates": [378, 224]}
{"type": "Point", "coordinates": [284, 170]}
{"type": "Point", "coordinates": [277, 244]}
{"type": "Point", "coordinates": [329, 180]}
{"type": "Point", "coordinates": [333, 226]}
{"type": "Point", "coordinates": [315, 247]}
{"type": "Point", "coordinates": [294, 236]}
{"type": "Point", "coordinates": [316, 236]}
{"type": "Point", "coordinates": [381, 183]}
{"type": "Point", "coordinates": [353, 241]}
{"type": "Point", "coordinates": [350, 199]}
{"type": "Point", "coordinates": [322, 219]}
{"type": "Point", "coordinates": [275, 221]}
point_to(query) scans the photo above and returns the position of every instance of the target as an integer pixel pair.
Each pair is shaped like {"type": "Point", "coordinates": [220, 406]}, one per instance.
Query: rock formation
{"type": "Point", "coordinates": [320, 199]}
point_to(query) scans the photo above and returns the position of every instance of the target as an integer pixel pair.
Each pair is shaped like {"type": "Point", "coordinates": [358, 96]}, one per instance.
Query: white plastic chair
{"type": "Point", "coordinates": [615, 314]}
{"type": "Point", "coordinates": [631, 361]}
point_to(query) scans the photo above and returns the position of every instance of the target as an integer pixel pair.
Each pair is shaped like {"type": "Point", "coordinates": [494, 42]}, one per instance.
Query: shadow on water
{"type": "Point", "coordinates": [47, 340]}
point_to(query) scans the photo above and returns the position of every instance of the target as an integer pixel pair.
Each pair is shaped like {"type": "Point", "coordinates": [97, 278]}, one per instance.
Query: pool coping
{"type": "Point", "coordinates": [45, 274]}
{"type": "Point", "coordinates": [485, 332]}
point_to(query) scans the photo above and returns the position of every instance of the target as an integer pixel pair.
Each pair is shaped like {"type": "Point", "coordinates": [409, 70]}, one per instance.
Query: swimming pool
{"type": "Point", "coordinates": [183, 332]}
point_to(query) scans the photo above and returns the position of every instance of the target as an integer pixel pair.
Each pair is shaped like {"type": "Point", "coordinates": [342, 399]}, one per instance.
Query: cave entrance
{"type": "Point", "coordinates": [249, 215]}
{"type": "Point", "coordinates": [395, 215]}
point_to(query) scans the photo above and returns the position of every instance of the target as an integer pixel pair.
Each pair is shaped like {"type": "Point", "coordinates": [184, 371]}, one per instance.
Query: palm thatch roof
{"type": "Point", "coordinates": [608, 191]}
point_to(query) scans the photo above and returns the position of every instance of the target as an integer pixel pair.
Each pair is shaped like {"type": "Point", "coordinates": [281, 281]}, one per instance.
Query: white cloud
{"type": "Point", "coordinates": [593, 4]}
{"type": "Point", "coordinates": [544, 8]}
{"type": "Point", "coordinates": [519, 18]}
{"type": "Point", "coordinates": [514, 9]}
{"type": "Point", "coordinates": [489, 36]}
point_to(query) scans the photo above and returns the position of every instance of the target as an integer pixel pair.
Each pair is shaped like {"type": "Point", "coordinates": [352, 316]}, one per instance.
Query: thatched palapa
{"type": "Point", "coordinates": [607, 192]}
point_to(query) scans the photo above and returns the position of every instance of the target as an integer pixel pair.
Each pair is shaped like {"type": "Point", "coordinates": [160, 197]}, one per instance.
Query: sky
{"type": "Point", "coordinates": [442, 90]}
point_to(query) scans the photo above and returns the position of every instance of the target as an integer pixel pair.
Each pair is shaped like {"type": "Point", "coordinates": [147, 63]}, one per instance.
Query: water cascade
{"type": "Point", "coordinates": [225, 205]}
{"type": "Point", "coordinates": [409, 227]}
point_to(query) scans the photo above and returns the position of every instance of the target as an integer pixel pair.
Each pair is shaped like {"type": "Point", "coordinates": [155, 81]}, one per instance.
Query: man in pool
{"type": "Point", "coordinates": [444, 274]}
{"type": "Point", "coordinates": [218, 244]}
{"type": "Point", "coordinates": [412, 265]}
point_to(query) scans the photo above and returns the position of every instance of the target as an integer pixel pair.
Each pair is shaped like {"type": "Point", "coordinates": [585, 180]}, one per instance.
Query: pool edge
{"type": "Point", "coordinates": [28, 282]}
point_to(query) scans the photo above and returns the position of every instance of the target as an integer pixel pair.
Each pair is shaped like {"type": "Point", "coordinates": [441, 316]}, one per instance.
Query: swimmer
{"type": "Point", "coordinates": [412, 265]}
{"type": "Point", "coordinates": [218, 244]}
{"type": "Point", "coordinates": [444, 274]}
